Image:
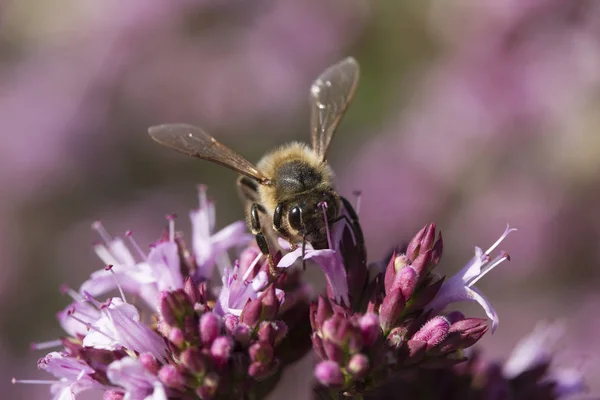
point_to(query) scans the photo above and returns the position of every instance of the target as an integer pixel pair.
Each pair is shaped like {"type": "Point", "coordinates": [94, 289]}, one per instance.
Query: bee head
{"type": "Point", "coordinates": [307, 217]}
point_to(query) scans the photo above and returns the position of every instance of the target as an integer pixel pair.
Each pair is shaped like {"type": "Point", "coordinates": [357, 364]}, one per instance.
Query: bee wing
{"type": "Point", "coordinates": [330, 95]}
{"type": "Point", "coordinates": [195, 142]}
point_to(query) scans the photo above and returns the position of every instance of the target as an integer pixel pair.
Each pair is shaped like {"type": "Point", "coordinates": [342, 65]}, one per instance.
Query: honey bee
{"type": "Point", "coordinates": [291, 188]}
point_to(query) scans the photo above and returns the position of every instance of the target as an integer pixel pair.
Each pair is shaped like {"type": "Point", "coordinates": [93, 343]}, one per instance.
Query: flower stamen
{"type": "Point", "coordinates": [34, 381]}
{"type": "Point", "coordinates": [46, 345]}
{"type": "Point", "coordinates": [135, 245]}
{"type": "Point", "coordinates": [202, 201]}
{"type": "Point", "coordinates": [98, 227]}
{"type": "Point", "coordinates": [171, 219]}
{"type": "Point", "coordinates": [64, 289]}
{"type": "Point", "coordinates": [110, 268]}
{"type": "Point", "coordinates": [504, 235]}
{"type": "Point", "coordinates": [252, 266]}
{"type": "Point", "coordinates": [491, 265]}
{"type": "Point", "coordinates": [91, 327]}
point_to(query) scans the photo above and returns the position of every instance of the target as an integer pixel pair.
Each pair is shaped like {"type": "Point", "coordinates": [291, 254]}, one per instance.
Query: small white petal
{"type": "Point", "coordinates": [260, 281]}
{"type": "Point", "coordinates": [290, 258]}
{"type": "Point", "coordinates": [105, 255]}
{"type": "Point", "coordinates": [477, 296]}
{"type": "Point", "coordinates": [120, 251]}
{"type": "Point", "coordinates": [130, 374]}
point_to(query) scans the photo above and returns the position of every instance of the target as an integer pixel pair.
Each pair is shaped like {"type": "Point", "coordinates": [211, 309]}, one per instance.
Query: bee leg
{"type": "Point", "coordinates": [279, 228]}
{"type": "Point", "coordinates": [261, 240]}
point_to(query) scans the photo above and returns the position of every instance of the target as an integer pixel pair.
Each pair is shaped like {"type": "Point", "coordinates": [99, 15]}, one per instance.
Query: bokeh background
{"type": "Point", "coordinates": [471, 113]}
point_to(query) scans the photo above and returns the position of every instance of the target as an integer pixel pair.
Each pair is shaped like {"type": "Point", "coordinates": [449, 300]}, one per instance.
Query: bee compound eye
{"type": "Point", "coordinates": [295, 218]}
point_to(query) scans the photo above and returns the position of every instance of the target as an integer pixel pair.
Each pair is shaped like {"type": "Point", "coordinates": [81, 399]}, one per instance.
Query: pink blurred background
{"type": "Point", "coordinates": [473, 115]}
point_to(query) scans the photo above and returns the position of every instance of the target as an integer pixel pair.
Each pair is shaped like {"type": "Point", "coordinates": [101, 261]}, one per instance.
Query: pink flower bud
{"type": "Point", "coordinates": [176, 337]}
{"type": "Point", "coordinates": [170, 376]}
{"type": "Point", "coordinates": [194, 360]}
{"type": "Point", "coordinates": [321, 312]}
{"type": "Point", "coordinates": [192, 290]}
{"type": "Point", "coordinates": [270, 303]}
{"type": "Point", "coordinates": [391, 308]}
{"type": "Point", "coordinates": [242, 334]}
{"type": "Point", "coordinates": [329, 373]}
{"type": "Point", "coordinates": [149, 362]}
{"type": "Point", "coordinates": [210, 328]}
{"type": "Point", "coordinates": [209, 387]}
{"type": "Point", "coordinates": [358, 365]}
{"type": "Point", "coordinates": [370, 329]}
{"type": "Point", "coordinates": [433, 332]}
{"type": "Point", "coordinates": [230, 321]}
{"type": "Point", "coordinates": [221, 349]}
{"type": "Point", "coordinates": [261, 352]}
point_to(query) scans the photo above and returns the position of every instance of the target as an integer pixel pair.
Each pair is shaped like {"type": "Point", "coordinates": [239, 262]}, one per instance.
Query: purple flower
{"type": "Point", "coordinates": [460, 286]}
{"type": "Point", "coordinates": [120, 326]}
{"type": "Point", "coordinates": [537, 350]}
{"type": "Point", "coordinates": [136, 380]}
{"type": "Point", "coordinates": [159, 270]}
{"type": "Point", "coordinates": [207, 341]}
{"type": "Point", "coordinates": [73, 375]}
{"type": "Point", "coordinates": [209, 246]}
{"type": "Point", "coordinates": [238, 289]}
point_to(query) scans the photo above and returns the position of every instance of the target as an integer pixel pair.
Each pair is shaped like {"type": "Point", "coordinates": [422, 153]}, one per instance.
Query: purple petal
{"type": "Point", "coordinates": [290, 258]}
{"type": "Point", "coordinates": [164, 261]}
{"type": "Point", "coordinates": [335, 272]}
{"type": "Point", "coordinates": [62, 366]}
{"type": "Point", "coordinates": [135, 335]}
{"type": "Point", "coordinates": [139, 383]}
{"type": "Point", "coordinates": [82, 310]}
{"type": "Point", "coordinates": [476, 295]}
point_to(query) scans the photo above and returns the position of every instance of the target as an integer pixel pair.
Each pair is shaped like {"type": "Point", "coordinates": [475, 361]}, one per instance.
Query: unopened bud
{"type": "Point", "coordinates": [209, 386]}
{"type": "Point", "coordinates": [391, 308]}
{"type": "Point", "coordinates": [194, 360]}
{"type": "Point", "coordinates": [210, 328]}
{"type": "Point", "coordinates": [252, 312]}
{"type": "Point", "coordinates": [242, 334]}
{"type": "Point", "coordinates": [176, 337]}
{"type": "Point", "coordinates": [433, 332]}
{"type": "Point", "coordinates": [260, 371]}
{"type": "Point", "coordinates": [149, 362]}
{"type": "Point", "coordinates": [221, 349]}
{"type": "Point", "coordinates": [358, 365]}
{"type": "Point", "coordinates": [261, 352]}
{"type": "Point", "coordinates": [370, 329]}
{"type": "Point", "coordinates": [329, 374]}
{"type": "Point", "coordinates": [320, 312]}
{"type": "Point", "coordinates": [230, 321]}
{"type": "Point", "coordinates": [192, 290]}
{"type": "Point", "coordinates": [412, 251]}
{"type": "Point", "coordinates": [170, 376]}
{"type": "Point", "coordinates": [270, 303]}
{"type": "Point", "coordinates": [407, 280]}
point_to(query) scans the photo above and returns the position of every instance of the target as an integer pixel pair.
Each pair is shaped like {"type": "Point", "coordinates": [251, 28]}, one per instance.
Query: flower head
{"type": "Point", "coordinates": [200, 339]}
